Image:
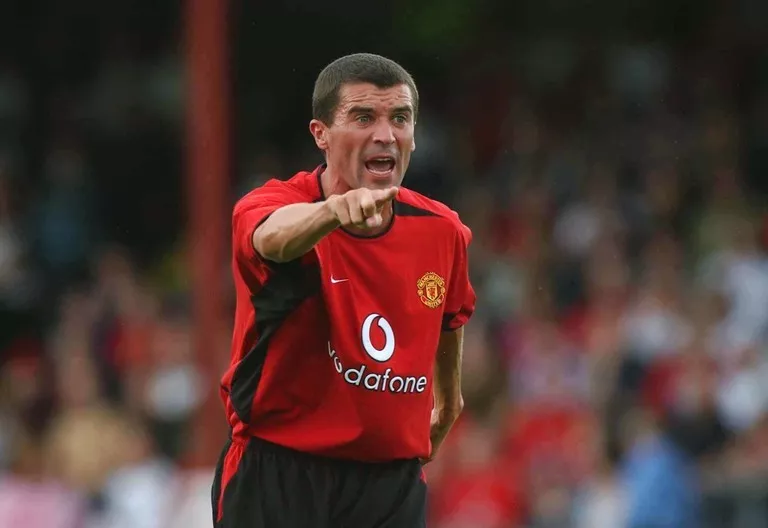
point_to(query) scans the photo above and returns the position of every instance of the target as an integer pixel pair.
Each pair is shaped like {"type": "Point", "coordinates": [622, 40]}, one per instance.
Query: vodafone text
{"type": "Point", "coordinates": [363, 377]}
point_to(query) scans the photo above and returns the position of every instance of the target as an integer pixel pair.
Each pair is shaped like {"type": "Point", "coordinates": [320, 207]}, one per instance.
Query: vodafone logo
{"type": "Point", "coordinates": [368, 378]}
{"type": "Point", "coordinates": [379, 354]}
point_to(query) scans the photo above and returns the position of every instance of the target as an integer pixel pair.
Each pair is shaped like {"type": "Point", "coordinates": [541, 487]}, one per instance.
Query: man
{"type": "Point", "coordinates": [351, 297]}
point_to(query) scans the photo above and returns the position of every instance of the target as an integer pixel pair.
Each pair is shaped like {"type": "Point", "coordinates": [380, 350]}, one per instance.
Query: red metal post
{"type": "Point", "coordinates": [208, 170]}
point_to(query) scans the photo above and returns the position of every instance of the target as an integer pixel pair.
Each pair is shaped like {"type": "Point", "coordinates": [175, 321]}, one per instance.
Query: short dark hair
{"type": "Point", "coordinates": [354, 69]}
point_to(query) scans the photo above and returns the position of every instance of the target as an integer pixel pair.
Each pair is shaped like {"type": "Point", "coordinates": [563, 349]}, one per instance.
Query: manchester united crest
{"type": "Point", "coordinates": [431, 289]}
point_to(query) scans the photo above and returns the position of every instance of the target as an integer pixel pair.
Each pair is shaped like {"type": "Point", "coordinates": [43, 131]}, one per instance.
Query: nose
{"type": "Point", "coordinates": [383, 133]}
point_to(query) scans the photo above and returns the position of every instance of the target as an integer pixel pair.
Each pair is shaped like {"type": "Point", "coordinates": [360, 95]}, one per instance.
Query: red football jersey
{"type": "Point", "coordinates": [334, 353]}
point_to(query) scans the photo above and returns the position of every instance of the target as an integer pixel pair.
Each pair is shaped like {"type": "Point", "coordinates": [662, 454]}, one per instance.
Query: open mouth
{"type": "Point", "coordinates": [380, 164]}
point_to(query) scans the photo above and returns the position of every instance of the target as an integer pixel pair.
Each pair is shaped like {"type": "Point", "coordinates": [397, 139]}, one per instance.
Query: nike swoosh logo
{"type": "Point", "coordinates": [336, 281]}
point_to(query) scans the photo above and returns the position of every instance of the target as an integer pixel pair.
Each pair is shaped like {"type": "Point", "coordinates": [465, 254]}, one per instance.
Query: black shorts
{"type": "Point", "coordinates": [262, 485]}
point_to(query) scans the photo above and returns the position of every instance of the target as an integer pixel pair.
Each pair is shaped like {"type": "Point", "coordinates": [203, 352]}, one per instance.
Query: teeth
{"type": "Point", "coordinates": [382, 165]}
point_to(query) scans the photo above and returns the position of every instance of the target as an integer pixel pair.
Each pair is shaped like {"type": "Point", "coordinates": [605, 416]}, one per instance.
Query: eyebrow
{"type": "Point", "coordinates": [370, 110]}
{"type": "Point", "coordinates": [360, 110]}
{"type": "Point", "coordinates": [403, 110]}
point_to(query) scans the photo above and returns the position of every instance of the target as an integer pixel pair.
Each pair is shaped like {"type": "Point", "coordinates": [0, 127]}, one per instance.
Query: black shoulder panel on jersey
{"type": "Point", "coordinates": [404, 209]}
{"type": "Point", "coordinates": [289, 285]}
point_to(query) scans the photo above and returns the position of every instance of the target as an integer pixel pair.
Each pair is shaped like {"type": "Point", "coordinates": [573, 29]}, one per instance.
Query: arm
{"type": "Point", "coordinates": [447, 387]}
{"type": "Point", "coordinates": [459, 307]}
{"type": "Point", "coordinates": [448, 399]}
{"type": "Point", "coordinates": [293, 230]}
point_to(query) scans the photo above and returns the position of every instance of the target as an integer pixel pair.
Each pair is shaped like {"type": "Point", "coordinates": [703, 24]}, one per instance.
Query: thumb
{"type": "Point", "coordinates": [382, 196]}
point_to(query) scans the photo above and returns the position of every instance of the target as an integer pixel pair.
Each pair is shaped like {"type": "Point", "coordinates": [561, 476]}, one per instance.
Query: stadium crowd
{"type": "Point", "coordinates": [615, 375]}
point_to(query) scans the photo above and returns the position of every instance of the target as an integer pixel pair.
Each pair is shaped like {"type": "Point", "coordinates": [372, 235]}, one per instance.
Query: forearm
{"type": "Point", "coordinates": [448, 398]}
{"type": "Point", "coordinates": [293, 230]}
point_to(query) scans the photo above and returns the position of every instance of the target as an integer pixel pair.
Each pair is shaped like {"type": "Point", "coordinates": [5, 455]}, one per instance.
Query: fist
{"type": "Point", "coordinates": [361, 208]}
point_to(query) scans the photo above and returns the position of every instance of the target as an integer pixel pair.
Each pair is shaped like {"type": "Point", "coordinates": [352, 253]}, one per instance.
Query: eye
{"type": "Point", "coordinates": [363, 118]}
{"type": "Point", "coordinates": [401, 119]}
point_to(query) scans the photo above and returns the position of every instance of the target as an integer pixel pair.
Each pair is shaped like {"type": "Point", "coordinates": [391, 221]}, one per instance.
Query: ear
{"type": "Point", "coordinates": [413, 144]}
{"type": "Point", "coordinates": [319, 131]}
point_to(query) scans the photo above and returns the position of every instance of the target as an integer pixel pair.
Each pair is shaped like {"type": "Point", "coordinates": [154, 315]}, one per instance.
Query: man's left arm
{"type": "Point", "coordinates": [459, 307]}
{"type": "Point", "coordinates": [447, 386]}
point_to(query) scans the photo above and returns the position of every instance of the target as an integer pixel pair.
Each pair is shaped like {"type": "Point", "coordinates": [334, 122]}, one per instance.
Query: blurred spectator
{"type": "Point", "coordinates": [173, 388]}
{"type": "Point", "coordinates": [64, 223]}
{"type": "Point", "coordinates": [660, 483]}
{"type": "Point", "coordinates": [474, 489]}
{"type": "Point", "coordinates": [601, 500]}
{"type": "Point", "coordinates": [87, 440]}
{"type": "Point", "coordinates": [141, 491]}
{"type": "Point", "coordinates": [743, 395]}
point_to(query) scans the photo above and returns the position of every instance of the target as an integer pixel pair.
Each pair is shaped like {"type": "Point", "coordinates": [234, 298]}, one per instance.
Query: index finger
{"type": "Point", "coordinates": [382, 196]}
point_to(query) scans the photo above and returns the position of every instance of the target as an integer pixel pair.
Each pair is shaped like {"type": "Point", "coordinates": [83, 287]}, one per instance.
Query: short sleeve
{"type": "Point", "coordinates": [461, 298]}
{"type": "Point", "coordinates": [250, 212]}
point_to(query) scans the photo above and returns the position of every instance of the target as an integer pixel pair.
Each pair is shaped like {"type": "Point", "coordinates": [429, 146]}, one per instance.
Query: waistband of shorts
{"type": "Point", "coordinates": [265, 446]}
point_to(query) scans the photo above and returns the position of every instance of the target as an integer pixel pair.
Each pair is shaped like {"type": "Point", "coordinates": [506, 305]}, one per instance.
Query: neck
{"type": "Point", "coordinates": [332, 185]}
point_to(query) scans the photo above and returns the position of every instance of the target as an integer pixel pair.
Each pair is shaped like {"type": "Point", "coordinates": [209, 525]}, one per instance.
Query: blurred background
{"type": "Point", "coordinates": [610, 157]}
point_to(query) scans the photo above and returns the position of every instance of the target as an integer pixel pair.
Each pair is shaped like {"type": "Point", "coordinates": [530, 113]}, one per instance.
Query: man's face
{"type": "Point", "coordinates": [370, 141]}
